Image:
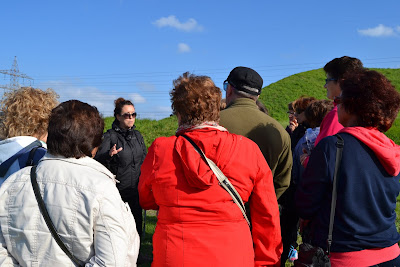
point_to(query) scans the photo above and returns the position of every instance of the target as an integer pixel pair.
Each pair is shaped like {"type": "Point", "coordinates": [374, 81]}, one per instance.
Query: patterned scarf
{"type": "Point", "coordinates": [207, 124]}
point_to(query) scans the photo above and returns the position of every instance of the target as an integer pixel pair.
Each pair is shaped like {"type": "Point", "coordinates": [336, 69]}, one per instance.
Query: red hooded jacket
{"type": "Point", "coordinates": [387, 151]}
{"type": "Point", "coordinates": [198, 222]}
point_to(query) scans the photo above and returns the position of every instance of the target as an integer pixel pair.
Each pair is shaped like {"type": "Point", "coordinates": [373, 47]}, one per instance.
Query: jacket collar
{"type": "Point", "coordinates": [84, 161]}
{"type": "Point", "coordinates": [11, 146]}
{"type": "Point", "coordinates": [243, 102]}
{"type": "Point", "coordinates": [116, 127]}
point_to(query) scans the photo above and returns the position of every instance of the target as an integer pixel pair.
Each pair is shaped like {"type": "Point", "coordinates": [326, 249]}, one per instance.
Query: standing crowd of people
{"type": "Point", "coordinates": [232, 187]}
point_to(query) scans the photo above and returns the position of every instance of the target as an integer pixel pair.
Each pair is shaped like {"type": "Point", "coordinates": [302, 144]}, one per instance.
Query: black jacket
{"type": "Point", "coordinates": [126, 164]}
{"type": "Point", "coordinates": [298, 133]}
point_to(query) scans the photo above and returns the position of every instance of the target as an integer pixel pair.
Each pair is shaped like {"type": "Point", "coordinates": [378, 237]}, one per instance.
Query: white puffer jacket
{"type": "Point", "coordinates": [85, 207]}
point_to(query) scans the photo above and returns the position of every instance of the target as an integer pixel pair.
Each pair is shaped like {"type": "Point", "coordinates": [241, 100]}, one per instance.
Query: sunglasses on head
{"type": "Point", "coordinates": [330, 79]}
{"type": "Point", "coordinates": [129, 115]}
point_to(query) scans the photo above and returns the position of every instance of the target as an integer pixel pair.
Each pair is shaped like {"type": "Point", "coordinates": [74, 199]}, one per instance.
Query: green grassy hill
{"type": "Point", "coordinates": [276, 97]}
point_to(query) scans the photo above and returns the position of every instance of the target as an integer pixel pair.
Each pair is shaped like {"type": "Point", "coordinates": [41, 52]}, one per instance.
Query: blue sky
{"type": "Point", "coordinates": [96, 51]}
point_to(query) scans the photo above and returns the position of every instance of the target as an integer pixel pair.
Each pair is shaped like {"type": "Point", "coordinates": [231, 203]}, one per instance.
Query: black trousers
{"type": "Point", "coordinates": [133, 202]}
{"type": "Point", "coordinates": [289, 221]}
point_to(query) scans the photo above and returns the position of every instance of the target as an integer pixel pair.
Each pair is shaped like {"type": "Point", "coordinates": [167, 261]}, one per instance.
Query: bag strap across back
{"type": "Point", "coordinates": [339, 150]}
{"type": "Point", "coordinates": [47, 219]}
{"type": "Point", "coordinates": [223, 180]}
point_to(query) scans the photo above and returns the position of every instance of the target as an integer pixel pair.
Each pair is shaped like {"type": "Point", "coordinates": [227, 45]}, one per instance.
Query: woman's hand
{"type": "Point", "coordinates": [293, 125]}
{"type": "Point", "coordinates": [114, 150]}
{"type": "Point", "coordinates": [303, 158]}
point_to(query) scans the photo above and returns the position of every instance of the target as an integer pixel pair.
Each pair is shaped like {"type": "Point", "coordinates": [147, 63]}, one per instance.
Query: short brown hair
{"type": "Point", "coordinates": [340, 66]}
{"type": "Point", "coordinates": [75, 129]}
{"type": "Point", "coordinates": [302, 103]}
{"type": "Point", "coordinates": [371, 97]}
{"type": "Point", "coordinates": [196, 99]}
{"type": "Point", "coordinates": [26, 112]}
{"type": "Point", "coordinates": [316, 111]}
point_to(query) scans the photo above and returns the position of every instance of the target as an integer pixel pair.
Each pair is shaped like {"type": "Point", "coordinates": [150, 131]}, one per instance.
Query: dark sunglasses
{"type": "Point", "coordinates": [129, 115]}
{"type": "Point", "coordinates": [225, 85]}
{"type": "Point", "coordinates": [330, 79]}
{"type": "Point", "coordinates": [337, 100]}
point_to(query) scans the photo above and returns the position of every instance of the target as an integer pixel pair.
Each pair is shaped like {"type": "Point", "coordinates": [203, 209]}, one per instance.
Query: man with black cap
{"type": "Point", "coordinates": [242, 116]}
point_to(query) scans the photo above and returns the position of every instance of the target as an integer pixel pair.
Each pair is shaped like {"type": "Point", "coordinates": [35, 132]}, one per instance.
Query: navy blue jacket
{"type": "Point", "coordinates": [365, 210]}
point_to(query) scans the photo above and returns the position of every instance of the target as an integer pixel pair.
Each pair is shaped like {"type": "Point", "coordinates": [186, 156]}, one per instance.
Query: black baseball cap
{"type": "Point", "coordinates": [246, 80]}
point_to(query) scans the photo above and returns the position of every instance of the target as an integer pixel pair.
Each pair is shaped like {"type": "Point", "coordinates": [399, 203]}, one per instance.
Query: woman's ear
{"type": "Point", "coordinates": [94, 151]}
{"type": "Point", "coordinates": [42, 137]}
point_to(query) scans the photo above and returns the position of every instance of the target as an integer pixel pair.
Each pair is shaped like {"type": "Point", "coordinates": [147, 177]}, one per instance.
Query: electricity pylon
{"type": "Point", "coordinates": [15, 75]}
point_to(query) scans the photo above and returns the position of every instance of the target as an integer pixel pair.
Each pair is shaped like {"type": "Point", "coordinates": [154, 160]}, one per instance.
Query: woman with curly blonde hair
{"type": "Point", "coordinates": [23, 126]}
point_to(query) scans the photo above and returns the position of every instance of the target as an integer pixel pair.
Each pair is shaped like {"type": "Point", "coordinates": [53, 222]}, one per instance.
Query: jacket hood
{"type": "Point", "coordinates": [10, 146]}
{"type": "Point", "coordinates": [197, 172]}
{"type": "Point", "coordinates": [387, 151]}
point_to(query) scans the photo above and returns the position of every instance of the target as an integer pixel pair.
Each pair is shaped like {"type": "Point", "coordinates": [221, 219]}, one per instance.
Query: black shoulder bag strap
{"type": "Point", "coordinates": [223, 180]}
{"type": "Point", "coordinates": [339, 149]}
{"type": "Point", "coordinates": [47, 219]}
{"type": "Point", "coordinates": [30, 161]}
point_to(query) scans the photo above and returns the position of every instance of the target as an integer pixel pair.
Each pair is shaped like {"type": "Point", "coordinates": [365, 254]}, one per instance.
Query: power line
{"type": "Point", "coordinates": [213, 71]}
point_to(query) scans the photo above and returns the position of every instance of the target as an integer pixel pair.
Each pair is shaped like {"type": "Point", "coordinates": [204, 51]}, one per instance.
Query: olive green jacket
{"type": "Point", "coordinates": [243, 117]}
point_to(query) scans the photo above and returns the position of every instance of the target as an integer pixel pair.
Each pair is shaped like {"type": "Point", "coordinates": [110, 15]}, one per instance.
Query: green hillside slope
{"type": "Point", "coordinates": [276, 96]}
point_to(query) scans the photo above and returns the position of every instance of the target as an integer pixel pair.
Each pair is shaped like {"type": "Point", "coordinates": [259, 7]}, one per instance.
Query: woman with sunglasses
{"type": "Point", "coordinates": [122, 152]}
{"type": "Point", "coordinates": [334, 70]}
{"type": "Point", "coordinates": [364, 229]}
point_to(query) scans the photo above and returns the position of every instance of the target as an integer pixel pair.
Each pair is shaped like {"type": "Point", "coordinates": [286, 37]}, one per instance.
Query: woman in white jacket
{"type": "Point", "coordinates": [79, 194]}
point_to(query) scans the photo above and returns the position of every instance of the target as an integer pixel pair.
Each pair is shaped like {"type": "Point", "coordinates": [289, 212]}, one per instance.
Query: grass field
{"type": "Point", "coordinates": [275, 97]}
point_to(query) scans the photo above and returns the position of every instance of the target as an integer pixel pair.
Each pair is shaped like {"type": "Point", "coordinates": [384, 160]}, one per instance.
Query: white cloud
{"type": "Point", "coordinates": [398, 29]}
{"type": "Point", "coordinates": [379, 31]}
{"type": "Point", "coordinates": [136, 98]}
{"type": "Point", "coordinates": [103, 100]}
{"type": "Point", "coordinates": [171, 21]}
{"type": "Point", "coordinates": [183, 48]}
{"type": "Point", "coordinates": [157, 112]}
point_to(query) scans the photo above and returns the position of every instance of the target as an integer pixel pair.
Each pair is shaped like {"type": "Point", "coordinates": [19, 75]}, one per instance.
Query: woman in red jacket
{"type": "Point", "coordinates": [198, 223]}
